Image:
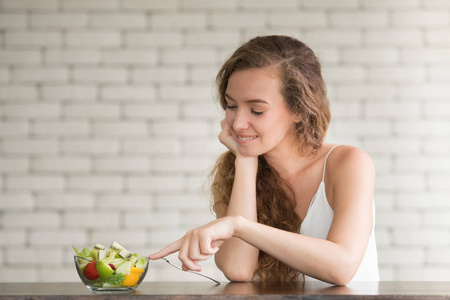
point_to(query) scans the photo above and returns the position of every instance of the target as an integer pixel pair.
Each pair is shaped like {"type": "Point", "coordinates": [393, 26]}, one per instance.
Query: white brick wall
{"type": "Point", "coordinates": [108, 121]}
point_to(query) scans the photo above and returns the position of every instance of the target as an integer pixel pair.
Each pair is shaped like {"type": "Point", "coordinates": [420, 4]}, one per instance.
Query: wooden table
{"type": "Point", "coordinates": [228, 290]}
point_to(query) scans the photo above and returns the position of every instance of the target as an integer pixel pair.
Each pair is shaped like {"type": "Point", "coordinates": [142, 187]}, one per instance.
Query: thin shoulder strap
{"type": "Point", "coordinates": [325, 163]}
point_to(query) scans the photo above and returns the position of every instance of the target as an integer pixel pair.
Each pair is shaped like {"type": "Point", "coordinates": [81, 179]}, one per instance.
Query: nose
{"type": "Point", "coordinates": [240, 121]}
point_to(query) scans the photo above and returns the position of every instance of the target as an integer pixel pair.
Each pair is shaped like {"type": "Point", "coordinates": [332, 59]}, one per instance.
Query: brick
{"type": "Point", "coordinates": [60, 20]}
{"type": "Point", "coordinates": [95, 220]}
{"type": "Point", "coordinates": [268, 4]}
{"type": "Point", "coordinates": [438, 255]}
{"type": "Point", "coordinates": [35, 183]}
{"type": "Point", "coordinates": [61, 165]}
{"type": "Point", "coordinates": [182, 164]}
{"type": "Point", "coordinates": [95, 183]}
{"type": "Point", "coordinates": [13, 20]}
{"type": "Point", "coordinates": [439, 73]}
{"type": "Point", "coordinates": [186, 93]}
{"type": "Point", "coordinates": [397, 74]}
{"type": "Point", "coordinates": [30, 256]}
{"type": "Point", "coordinates": [88, 146]}
{"type": "Point", "coordinates": [180, 128]}
{"type": "Point", "coordinates": [438, 219]}
{"type": "Point", "coordinates": [436, 4]}
{"type": "Point", "coordinates": [51, 5]}
{"type": "Point", "coordinates": [19, 57]}
{"type": "Point", "coordinates": [120, 129]}
{"type": "Point", "coordinates": [16, 201]}
{"type": "Point", "coordinates": [100, 75]}
{"type": "Point", "coordinates": [35, 146]}
{"type": "Point", "coordinates": [60, 128]}
{"type": "Point", "coordinates": [392, 145]}
{"type": "Point", "coordinates": [178, 20]}
{"type": "Point", "coordinates": [23, 75]}
{"type": "Point", "coordinates": [344, 74]}
{"type": "Point", "coordinates": [333, 37]}
{"type": "Point", "coordinates": [129, 57]}
{"type": "Point", "coordinates": [422, 128]}
{"type": "Point", "coordinates": [19, 274]}
{"type": "Point", "coordinates": [436, 146]}
{"type": "Point", "coordinates": [122, 20]}
{"type": "Point", "coordinates": [92, 110]}
{"type": "Point", "coordinates": [60, 274]}
{"type": "Point", "coordinates": [154, 5]}
{"type": "Point", "coordinates": [394, 37]}
{"type": "Point", "coordinates": [129, 93]}
{"type": "Point", "coordinates": [152, 220]}
{"type": "Point", "coordinates": [399, 219]}
{"type": "Point", "coordinates": [394, 4]}
{"type": "Point", "coordinates": [18, 220]}
{"type": "Point", "coordinates": [12, 237]}
{"type": "Point", "coordinates": [360, 19]}
{"type": "Point", "coordinates": [435, 56]}
{"type": "Point", "coordinates": [203, 74]}
{"type": "Point", "coordinates": [155, 146]}
{"type": "Point", "coordinates": [346, 109]}
{"type": "Point", "coordinates": [436, 109]}
{"type": "Point", "coordinates": [30, 39]}
{"type": "Point", "coordinates": [399, 182]}
{"type": "Point", "coordinates": [73, 202]}
{"type": "Point", "coordinates": [32, 111]}
{"type": "Point", "coordinates": [329, 4]}
{"type": "Point", "coordinates": [90, 5]}
{"type": "Point", "coordinates": [388, 109]}
{"type": "Point", "coordinates": [209, 4]}
{"type": "Point", "coordinates": [122, 165]}
{"type": "Point", "coordinates": [13, 129]}
{"type": "Point", "coordinates": [238, 19]}
{"type": "Point", "coordinates": [58, 237]}
{"type": "Point", "coordinates": [159, 75]}
{"type": "Point", "coordinates": [370, 57]}
{"type": "Point", "coordinates": [127, 238]}
{"type": "Point", "coordinates": [152, 111]}
{"type": "Point", "coordinates": [300, 20]}
{"type": "Point", "coordinates": [69, 92]}
{"type": "Point", "coordinates": [122, 201]}
{"type": "Point", "coordinates": [422, 163]}
{"type": "Point", "coordinates": [364, 91]}
{"type": "Point", "coordinates": [417, 19]}
{"type": "Point", "coordinates": [400, 256]}
{"type": "Point", "coordinates": [160, 183]}
{"type": "Point", "coordinates": [93, 38]}
{"type": "Point", "coordinates": [163, 237]}
{"type": "Point", "coordinates": [182, 201]}
{"type": "Point", "coordinates": [212, 38]}
{"type": "Point", "coordinates": [439, 182]}
{"type": "Point", "coordinates": [64, 56]}
{"type": "Point", "coordinates": [16, 92]}
{"type": "Point", "coordinates": [197, 219]}
{"type": "Point", "coordinates": [186, 56]}
{"type": "Point", "coordinates": [154, 39]}
{"type": "Point", "coordinates": [4, 75]}
{"type": "Point", "coordinates": [425, 201]}
{"type": "Point", "coordinates": [431, 237]}
{"type": "Point", "coordinates": [437, 37]}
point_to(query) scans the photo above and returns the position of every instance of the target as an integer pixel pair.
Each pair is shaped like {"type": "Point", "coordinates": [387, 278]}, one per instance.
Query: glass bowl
{"type": "Point", "coordinates": [109, 286]}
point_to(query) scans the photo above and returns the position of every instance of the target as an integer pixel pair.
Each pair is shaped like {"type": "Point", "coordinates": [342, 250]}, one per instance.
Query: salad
{"type": "Point", "coordinates": [112, 267]}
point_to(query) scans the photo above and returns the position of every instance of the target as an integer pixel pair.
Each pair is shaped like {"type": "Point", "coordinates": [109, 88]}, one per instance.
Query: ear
{"type": "Point", "coordinates": [296, 118]}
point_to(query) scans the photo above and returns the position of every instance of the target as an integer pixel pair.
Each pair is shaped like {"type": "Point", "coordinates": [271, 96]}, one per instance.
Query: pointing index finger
{"type": "Point", "coordinates": [174, 247]}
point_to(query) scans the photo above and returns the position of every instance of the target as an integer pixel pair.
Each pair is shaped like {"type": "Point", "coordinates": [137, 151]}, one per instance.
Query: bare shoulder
{"type": "Point", "coordinates": [349, 162]}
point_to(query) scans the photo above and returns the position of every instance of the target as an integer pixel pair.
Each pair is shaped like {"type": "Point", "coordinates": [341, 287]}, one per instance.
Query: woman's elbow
{"type": "Point", "coordinates": [236, 275]}
{"type": "Point", "coordinates": [344, 273]}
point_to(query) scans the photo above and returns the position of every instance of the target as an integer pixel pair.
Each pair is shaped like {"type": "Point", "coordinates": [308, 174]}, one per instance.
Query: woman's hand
{"type": "Point", "coordinates": [201, 243]}
{"type": "Point", "coordinates": [226, 137]}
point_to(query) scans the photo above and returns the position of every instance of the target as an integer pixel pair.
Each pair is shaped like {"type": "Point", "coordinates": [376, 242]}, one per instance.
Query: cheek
{"type": "Point", "coordinates": [229, 118]}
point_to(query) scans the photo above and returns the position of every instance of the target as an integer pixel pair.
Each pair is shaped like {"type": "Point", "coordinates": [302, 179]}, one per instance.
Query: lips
{"type": "Point", "coordinates": [246, 138]}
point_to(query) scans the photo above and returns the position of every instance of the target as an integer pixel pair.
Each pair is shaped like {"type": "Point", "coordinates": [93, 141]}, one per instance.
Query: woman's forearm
{"type": "Point", "coordinates": [237, 259]}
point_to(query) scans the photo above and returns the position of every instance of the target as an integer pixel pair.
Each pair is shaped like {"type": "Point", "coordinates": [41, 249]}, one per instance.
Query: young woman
{"type": "Point", "coordinates": [287, 204]}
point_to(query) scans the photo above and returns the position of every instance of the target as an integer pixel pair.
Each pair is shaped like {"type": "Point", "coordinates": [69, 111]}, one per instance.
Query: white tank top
{"type": "Point", "coordinates": [317, 224]}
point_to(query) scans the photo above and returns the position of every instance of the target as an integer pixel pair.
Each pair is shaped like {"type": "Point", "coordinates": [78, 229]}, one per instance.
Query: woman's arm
{"type": "Point", "coordinates": [236, 258]}
{"type": "Point", "coordinates": [351, 176]}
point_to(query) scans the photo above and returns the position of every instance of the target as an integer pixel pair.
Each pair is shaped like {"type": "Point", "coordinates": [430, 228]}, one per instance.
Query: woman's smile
{"type": "Point", "coordinates": [245, 138]}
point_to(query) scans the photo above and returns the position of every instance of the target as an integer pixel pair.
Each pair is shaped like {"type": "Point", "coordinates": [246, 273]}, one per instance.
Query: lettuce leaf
{"type": "Point", "coordinates": [115, 279]}
{"type": "Point", "coordinates": [86, 253]}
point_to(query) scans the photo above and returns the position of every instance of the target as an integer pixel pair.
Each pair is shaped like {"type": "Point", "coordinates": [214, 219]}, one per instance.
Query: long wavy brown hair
{"type": "Point", "coordinates": [304, 92]}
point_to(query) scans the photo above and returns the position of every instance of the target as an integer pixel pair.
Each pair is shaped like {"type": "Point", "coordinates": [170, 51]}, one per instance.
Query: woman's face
{"type": "Point", "coordinates": [256, 111]}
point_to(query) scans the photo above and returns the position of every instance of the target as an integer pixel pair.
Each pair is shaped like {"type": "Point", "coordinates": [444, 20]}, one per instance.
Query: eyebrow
{"type": "Point", "coordinates": [249, 101]}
